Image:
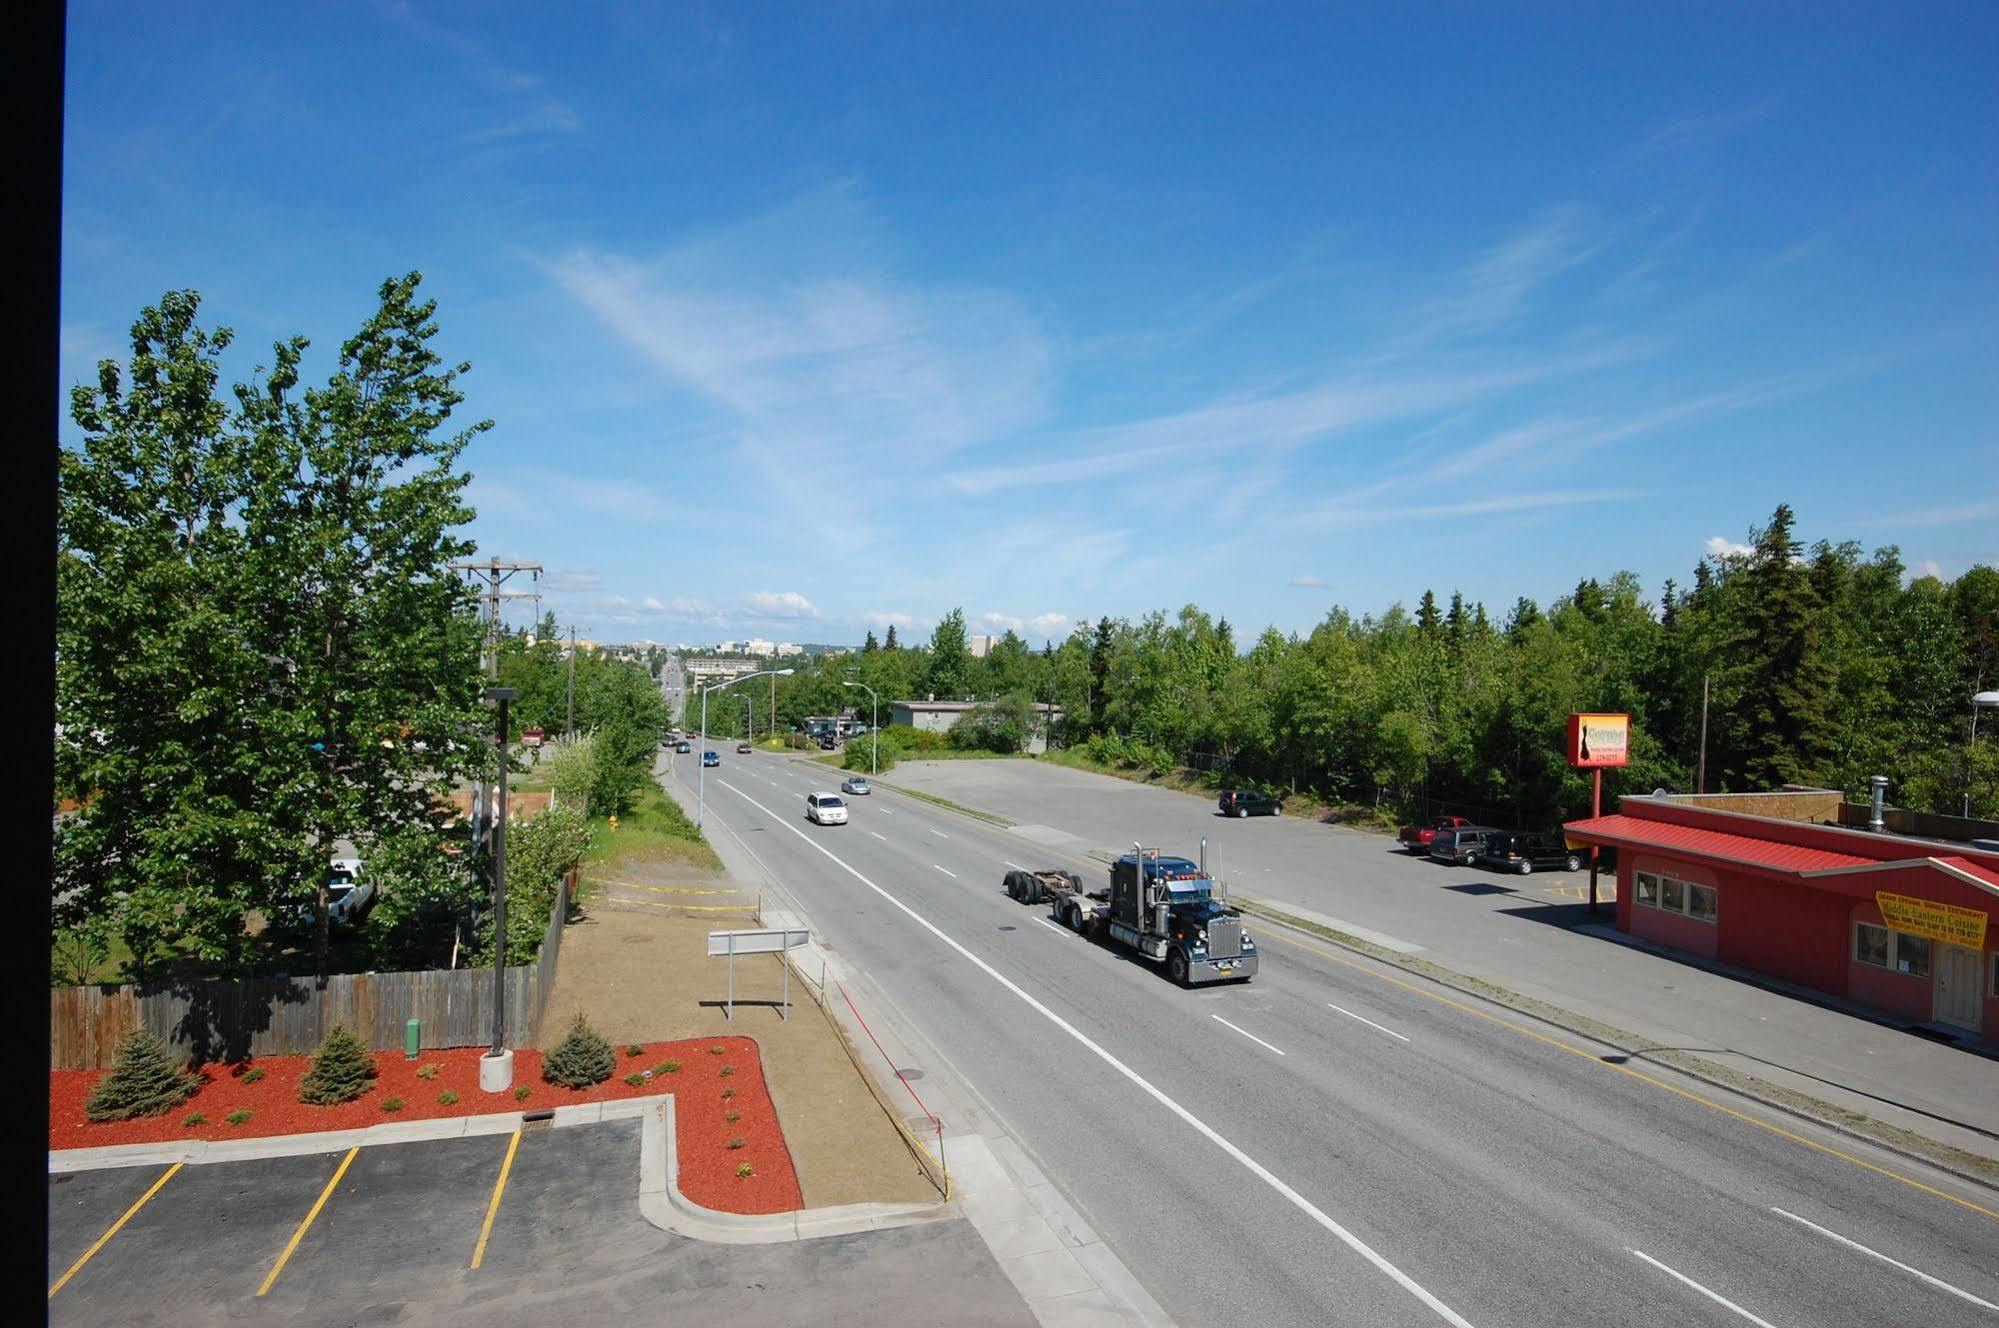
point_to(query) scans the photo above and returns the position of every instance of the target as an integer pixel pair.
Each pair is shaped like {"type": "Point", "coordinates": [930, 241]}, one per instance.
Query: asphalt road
{"type": "Point", "coordinates": [1335, 1142]}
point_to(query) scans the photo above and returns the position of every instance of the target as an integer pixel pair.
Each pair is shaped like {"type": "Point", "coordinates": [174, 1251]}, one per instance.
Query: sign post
{"type": "Point", "coordinates": [757, 940]}
{"type": "Point", "coordinates": [1596, 741]}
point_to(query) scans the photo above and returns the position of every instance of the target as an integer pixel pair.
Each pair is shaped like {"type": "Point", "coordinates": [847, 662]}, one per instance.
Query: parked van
{"type": "Point", "coordinates": [825, 808]}
{"type": "Point", "coordinates": [1460, 846]}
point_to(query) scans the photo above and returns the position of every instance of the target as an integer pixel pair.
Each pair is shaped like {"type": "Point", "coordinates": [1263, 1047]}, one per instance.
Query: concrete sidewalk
{"type": "Point", "coordinates": [1534, 936]}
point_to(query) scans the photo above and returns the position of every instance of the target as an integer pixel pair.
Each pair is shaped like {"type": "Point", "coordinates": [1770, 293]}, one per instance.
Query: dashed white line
{"type": "Point", "coordinates": [876, 833]}
{"type": "Point", "coordinates": [1714, 1296]}
{"type": "Point", "coordinates": [1016, 866]}
{"type": "Point", "coordinates": [1051, 926]}
{"type": "Point", "coordinates": [1369, 1022]}
{"type": "Point", "coordinates": [953, 875]}
{"type": "Point", "coordinates": [940, 834]}
{"type": "Point", "coordinates": [1245, 1032]}
{"type": "Point", "coordinates": [1896, 1263]}
{"type": "Point", "coordinates": [1146, 1086]}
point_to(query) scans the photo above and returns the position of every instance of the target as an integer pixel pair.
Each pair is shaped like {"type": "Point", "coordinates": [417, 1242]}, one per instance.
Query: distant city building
{"type": "Point", "coordinates": [939, 716]}
{"type": "Point", "coordinates": [760, 647]}
{"type": "Point", "coordinates": [787, 649]}
{"type": "Point", "coordinates": [980, 646]}
{"type": "Point", "coordinates": [704, 670]}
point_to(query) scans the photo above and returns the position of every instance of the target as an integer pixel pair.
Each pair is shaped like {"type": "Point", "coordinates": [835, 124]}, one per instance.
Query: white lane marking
{"type": "Point", "coordinates": [1051, 926]}
{"type": "Point", "coordinates": [1144, 1085]}
{"type": "Point", "coordinates": [1937, 1282]}
{"type": "Point", "coordinates": [879, 835]}
{"type": "Point", "coordinates": [887, 812]}
{"type": "Point", "coordinates": [953, 875]}
{"type": "Point", "coordinates": [1711, 1295]}
{"type": "Point", "coordinates": [1245, 1032]}
{"type": "Point", "coordinates": [1369, 1022]}
{"type": "Point", "coordinates": [1016, 866]}
{"type": "Point", "coordinates": [940, 834]}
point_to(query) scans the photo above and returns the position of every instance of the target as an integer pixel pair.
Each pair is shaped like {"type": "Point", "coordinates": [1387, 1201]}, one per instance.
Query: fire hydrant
{"type": "Point", "coordinates": [614, 823]}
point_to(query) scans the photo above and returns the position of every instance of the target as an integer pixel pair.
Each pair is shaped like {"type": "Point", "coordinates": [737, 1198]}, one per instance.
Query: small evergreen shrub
{"type": "Point", "coordinates": [341, 1070]}
{"type": "Point", "coordinates": [732, 1116]}
{"type": "Point", "coordinates": [744, 1171]}
{"type": "Point", "coordinates": [718, 1051]}
{"type": "Point", "coordinates": [144, 1081]}
{"type": "Point", "coordinates": [253, 1074]}
{"type": "Point", "coordinates": [727, 1070]}
{"type": "Point", "coordinates": [240, 1116]}
{"type": "Point", "coordinates": [728, 1093]}
{"type": "Point", "coordinates": [521, 1093]}
{"type": "Point", "coordinates": [635, 1050]}
{"type": "Point", "coordinates": [635, 1079]}
{"type": "Point", "coordinates": [447, 1098]}
{"type": "Point", "coordinates": [667, 1066]}
{"type": "Point", "coordinates": [427, 1071]}
{"type": "Point", "coordinates": [581, 1059]}
{"type": "Point", "coordinates": [392, 1104]}
{"type": "Point", "coordinates": [737, 1143]}
{"type": "Point", "coordinates": [194, 1118]}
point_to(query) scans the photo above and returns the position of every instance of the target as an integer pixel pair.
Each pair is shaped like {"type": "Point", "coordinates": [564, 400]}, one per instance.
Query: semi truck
{"type": "Point", "coordinates": [1166, 909]}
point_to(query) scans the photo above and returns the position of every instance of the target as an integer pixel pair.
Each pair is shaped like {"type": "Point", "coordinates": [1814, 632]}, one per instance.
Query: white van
{"type": "Point", "coordinates": [825, 808]}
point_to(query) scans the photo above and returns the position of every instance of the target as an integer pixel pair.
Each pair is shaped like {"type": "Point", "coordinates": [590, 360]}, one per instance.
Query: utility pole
{"type": "Point", "coordinates": [495, 574]}
{"type": "Point", "coordinates": [1700, 767]}
{"type": "Point", "coordinates": [569, 692]}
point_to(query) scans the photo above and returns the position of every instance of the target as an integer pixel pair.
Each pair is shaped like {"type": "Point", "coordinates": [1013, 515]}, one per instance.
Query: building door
{"type": "Point", "coordinates": [1960, 988]}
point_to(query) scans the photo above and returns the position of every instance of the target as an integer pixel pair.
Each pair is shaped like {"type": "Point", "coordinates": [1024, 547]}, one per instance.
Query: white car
{"type": "Point", "coordinates": [856, 785]}
{"type": "Point", "coordinates": [825, 809]}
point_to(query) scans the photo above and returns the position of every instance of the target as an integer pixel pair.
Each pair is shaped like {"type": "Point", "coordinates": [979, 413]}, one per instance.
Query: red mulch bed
{"type": "Point", "coordinates": [707, 1164]}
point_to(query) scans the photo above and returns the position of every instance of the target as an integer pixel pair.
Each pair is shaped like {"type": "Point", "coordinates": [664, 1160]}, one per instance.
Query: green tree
{"type": "Point", "coordinates": [342, 1069]}
{"type": "Point", "coordinates": [144, 1081]}
{"type": "Point", "coordinates": [950, 661]}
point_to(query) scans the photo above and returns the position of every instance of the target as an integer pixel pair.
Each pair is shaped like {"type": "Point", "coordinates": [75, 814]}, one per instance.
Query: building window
{"type": "Point", "coordinates": [1671, 895]}
{"type": "Point", "coordinates": [1897, 951]}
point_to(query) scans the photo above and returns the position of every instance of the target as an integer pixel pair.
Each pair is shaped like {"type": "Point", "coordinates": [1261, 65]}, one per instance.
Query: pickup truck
{"type": "Point", "coordinates": [1416, 838]}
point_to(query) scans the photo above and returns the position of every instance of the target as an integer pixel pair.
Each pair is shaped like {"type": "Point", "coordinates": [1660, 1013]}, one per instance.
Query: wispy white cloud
{"type": "Point", "coordinates": [1493, 505]}
{"type": "Point", "coordinates": [1927, 567]}
{"type": "Point", "coordinates": [1040, 625]}
{"type": "Point", "coordinates": [902, 622]}
{"type": "Point", "coordinates": [1702, 129]}
{"type": "Point", "coordinates": [1500, 285]}
{"type": "Point", "coordinates": [570, 578]}
{"type": "Point", "coordinates": [524, 102]}
{"type": "Point", "coordinates": [1307, 582]}
{"type": "Point", "coordinates": [1720, 547]}
{"type": "Point", "coordinates": [780, 604]}
{"type": "Point", "coordinates": [1947, 514]}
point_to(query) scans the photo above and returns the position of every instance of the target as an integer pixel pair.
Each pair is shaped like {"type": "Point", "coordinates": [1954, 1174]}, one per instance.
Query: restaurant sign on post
{"type": "Point", "coordinates": [1953, 924]}
{"type": "Point", "coordinates": [1594, 742]}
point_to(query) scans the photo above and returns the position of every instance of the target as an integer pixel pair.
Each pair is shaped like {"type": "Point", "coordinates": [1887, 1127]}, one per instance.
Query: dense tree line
{"type": "Point", "coordinates": [614, 700]}
{"type": "Point", "coordinates": [1822, 665]}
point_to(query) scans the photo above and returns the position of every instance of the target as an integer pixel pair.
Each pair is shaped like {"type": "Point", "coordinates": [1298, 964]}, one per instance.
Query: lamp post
{"type": "Point", "coordinates": [749, 718]}
{"type": "Point", "coordinates": [496, 1067]}
{"type": "Point", "coordinates": [874, 722]}
{"type": "Point", "coordinates": [1981, 701]}
{"type": "Point", "coordinates": [701, 780]}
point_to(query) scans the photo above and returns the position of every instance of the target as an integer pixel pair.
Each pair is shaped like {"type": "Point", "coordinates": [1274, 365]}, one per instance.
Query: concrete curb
{"type": "Point", "coordinates": [663, 1205]}
{"type": "Point", "coordinates": [1573, 1025]}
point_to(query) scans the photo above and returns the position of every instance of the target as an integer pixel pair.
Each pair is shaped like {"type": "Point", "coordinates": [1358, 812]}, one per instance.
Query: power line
{"type": "Point", "coordinates": [496, 573]}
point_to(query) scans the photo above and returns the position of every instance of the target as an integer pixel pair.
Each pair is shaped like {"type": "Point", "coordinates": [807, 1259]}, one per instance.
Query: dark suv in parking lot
{"type": "Point", "coordinates": [1519, 851]}
{"type": "Point", "coordinates": [1460, 846]}
{"type": "Point", "coordinates": [1248, 802]}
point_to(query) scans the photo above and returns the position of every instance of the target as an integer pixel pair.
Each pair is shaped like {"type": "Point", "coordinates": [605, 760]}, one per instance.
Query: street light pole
{"type": "Point", "coordinates": [874, 722]}
{"type": "Point", "coordinates": [496, 1069]}
{"type": "Point", "coordinates": [1981, 701]}
{"type": "Point", "coordinates": [701, 779]}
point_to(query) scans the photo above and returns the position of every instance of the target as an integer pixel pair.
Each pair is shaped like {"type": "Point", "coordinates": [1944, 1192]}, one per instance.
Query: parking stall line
{"type": "Point", "coordinates": [1246, 1033]}
{"type": "Point", "coordinates": [1851, 1244]}
{"type": "Point", "coordinates": [291, 1246]}
{"type": "Point", "coordinates": [493, 1208]}
{"type": "Point", "coordinates": [1714, 1296]}
{"type": "Point", "coordinates": [113, 1230]}
{"type": "Point", "coordinates": [1369, 1022]}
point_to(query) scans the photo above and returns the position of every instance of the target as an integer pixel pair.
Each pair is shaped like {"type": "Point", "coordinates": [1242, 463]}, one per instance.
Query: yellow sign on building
{"type": "Point", "coordinates": [1952, 924]}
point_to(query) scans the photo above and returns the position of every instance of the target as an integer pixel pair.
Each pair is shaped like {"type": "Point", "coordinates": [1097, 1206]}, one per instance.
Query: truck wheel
{"type": "Point", "coordinates": [1075, 881]}
{"type": "Point", "coordinates": [1176, 967]}
{"type": "Point", "coordinates": [1525, 867]}
{"type": "Point", "coordinates": [1075, 919]}
{"type": "Point", "coordinates": [1013, 885]}
{"type": "Point", "coordinates": [1032, 887]}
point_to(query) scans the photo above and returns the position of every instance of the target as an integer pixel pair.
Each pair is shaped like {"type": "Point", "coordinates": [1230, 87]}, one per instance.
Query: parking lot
{"type": "Point", "coordinates": [510, 1227]}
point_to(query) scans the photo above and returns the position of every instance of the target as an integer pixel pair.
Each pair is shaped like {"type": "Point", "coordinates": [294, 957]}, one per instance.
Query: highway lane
{"type": "Point", "coordinates": [1510, 1180]}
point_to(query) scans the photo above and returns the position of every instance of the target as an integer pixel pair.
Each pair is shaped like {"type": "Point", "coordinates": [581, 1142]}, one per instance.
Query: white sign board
{"type": "Point", "coordinates": [757, 940]}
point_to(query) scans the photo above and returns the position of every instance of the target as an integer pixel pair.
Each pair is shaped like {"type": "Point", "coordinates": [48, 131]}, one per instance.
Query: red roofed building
{"type": "Point", "coordinates": [1901, 925]}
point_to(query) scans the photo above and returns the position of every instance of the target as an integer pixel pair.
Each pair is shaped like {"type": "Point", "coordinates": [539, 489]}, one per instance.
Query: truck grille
{"type": "Point", "coordinates": [1224, 940]}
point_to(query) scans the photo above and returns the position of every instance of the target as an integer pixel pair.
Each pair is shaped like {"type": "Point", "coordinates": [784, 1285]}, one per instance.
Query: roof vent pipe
{"type": "Point", "coordinates": [1875, 821]}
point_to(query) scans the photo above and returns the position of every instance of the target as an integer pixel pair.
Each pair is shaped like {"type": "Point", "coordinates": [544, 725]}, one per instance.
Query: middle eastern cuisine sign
{"type": "Point", "coordinates": [1952, 924]}
{"type": "Point", "coordinates": [1596, 741]}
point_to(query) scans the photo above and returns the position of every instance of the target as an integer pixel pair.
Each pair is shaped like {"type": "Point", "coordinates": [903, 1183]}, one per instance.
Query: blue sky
{"type": "Point", "coordinates": [796, 320]}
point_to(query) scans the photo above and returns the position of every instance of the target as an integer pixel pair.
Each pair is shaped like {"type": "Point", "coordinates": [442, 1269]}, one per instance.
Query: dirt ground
{"type": "Point", "coordinates": [635, 962]}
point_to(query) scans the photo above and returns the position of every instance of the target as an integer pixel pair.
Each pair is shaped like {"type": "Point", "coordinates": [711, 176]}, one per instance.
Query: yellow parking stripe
{"type": "Point", "coordinates": [493, 1208]}
{"type": "Point", "coordinates": [77, 1267]}
{"type": "Point", "coordinates": [1595, 1059]}
{"type": "Point", "coordinates": [306, 1225]}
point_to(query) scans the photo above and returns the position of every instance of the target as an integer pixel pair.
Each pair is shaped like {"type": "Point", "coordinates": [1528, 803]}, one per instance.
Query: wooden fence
{"type": "Point", "coordinates": [215, 1019]}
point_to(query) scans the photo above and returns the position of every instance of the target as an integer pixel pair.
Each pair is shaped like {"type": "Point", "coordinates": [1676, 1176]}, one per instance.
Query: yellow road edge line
{"type": "Point", "coordinates": [1594, 1059]}
{"type": "Point", "coordinates": [662, 889]}
{"type": "Point", "coordinates": [493, 1208]}
{"type": "Point", "coordinates": [104, 1239]}
{"type": "Point", "coordinates": [306, 1225]}
{"type": "Point", "coordinates": [696, 908]}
